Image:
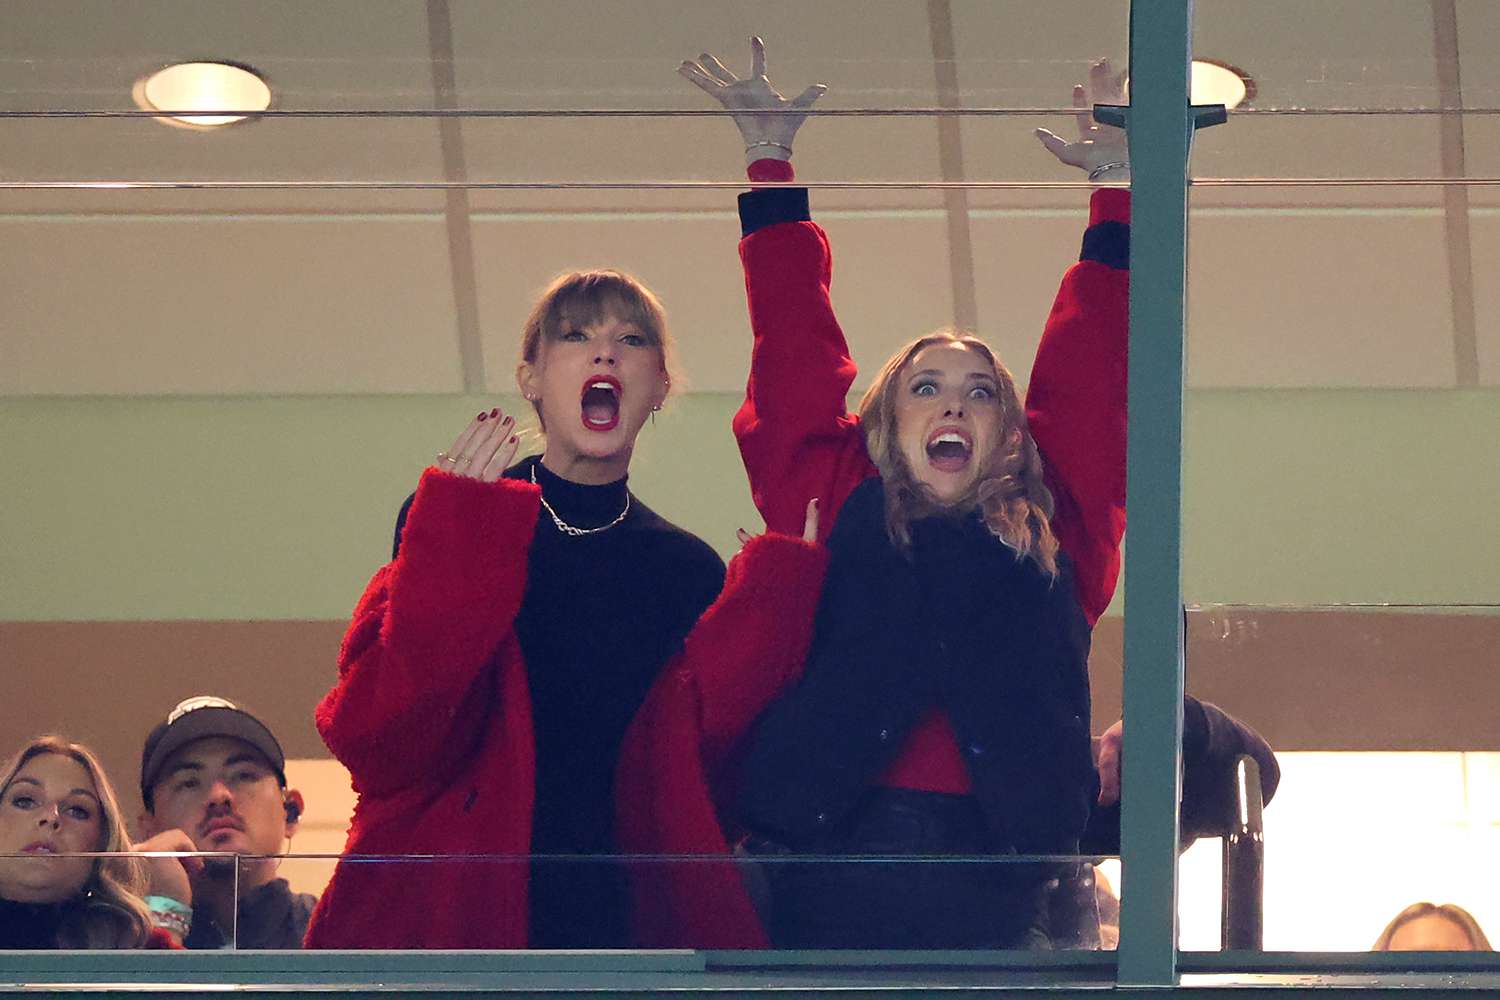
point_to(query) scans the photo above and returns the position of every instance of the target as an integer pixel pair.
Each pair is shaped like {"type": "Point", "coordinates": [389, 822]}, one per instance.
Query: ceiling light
{"type": "Point", "coordinates": [223, 94]}
{"type": "Point", "coordinates": [1217, 82]}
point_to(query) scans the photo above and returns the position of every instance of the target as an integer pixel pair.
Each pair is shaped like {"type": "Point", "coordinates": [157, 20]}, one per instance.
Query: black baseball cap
{"type": "Point", "coordinates": [199, 718]}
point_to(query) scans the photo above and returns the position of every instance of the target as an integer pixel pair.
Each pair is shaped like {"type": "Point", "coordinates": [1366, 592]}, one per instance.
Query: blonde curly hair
{"type": "Point", "coordinates": [1009, 492]}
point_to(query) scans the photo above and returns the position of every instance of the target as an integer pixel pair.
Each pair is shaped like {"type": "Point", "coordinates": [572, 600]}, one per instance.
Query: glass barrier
{"type": "Point", "coordinates": [1386, 758]}
{"type": "Point", "coordinates": [474, 94]}
{"type": "Point", "coordinates": [757, 898]}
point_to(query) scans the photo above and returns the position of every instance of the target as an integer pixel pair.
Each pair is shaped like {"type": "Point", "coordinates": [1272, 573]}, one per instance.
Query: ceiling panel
{"type": "Point", "coordinates": [86, 55]}
{"type": "Point", "coordinates": [104, 305]}
{"type": "Point", "coordinates": [624, 54]}
{"type": "Point", "coordinates": [1324, 53]}
{"type": "Point", "coordinates": [890, 282]}
{"type": "Point", "coordinates": [1485, 231]}
{"type": "Point", "coordinates": [1019, 260]}
{"type": "Point", "coordinates": [1316, 298]}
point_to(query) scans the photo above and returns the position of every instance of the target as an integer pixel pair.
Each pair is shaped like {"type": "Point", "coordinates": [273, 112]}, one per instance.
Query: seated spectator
{"type": "Point", "coordinates": [213, 778]}
{"type": "Point", "coordinates": [1428, 927]}
{"type": "Point", "coordinates": [55, 800]}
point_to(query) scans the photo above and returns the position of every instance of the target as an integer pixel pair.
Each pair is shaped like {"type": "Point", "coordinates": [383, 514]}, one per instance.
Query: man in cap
{"type": "Point", "coordinates": [213, 778]}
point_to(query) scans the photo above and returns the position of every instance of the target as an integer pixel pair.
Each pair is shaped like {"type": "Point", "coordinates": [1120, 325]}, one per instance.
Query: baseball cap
{"type": "Point", "coordinates": [198, 718]}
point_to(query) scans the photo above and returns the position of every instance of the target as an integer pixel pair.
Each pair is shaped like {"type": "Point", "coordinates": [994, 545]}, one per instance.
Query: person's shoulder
{"type": "Point", "coordinates": [676, 542]}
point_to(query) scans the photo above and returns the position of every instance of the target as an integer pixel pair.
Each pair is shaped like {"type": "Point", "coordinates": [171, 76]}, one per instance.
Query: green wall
{"type": "Point", "coordinates": [280, 508]}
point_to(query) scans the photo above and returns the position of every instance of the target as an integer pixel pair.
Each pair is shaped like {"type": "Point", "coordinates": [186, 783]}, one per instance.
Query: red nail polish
{"type": "Point", "coordinates": [508, 421]}
{"type": "Point", "coordinates": [495, 412]}
{"type": "Point", "coordinates": [512, 439]}
{"type": "Point", "coordinates": [483, 415]}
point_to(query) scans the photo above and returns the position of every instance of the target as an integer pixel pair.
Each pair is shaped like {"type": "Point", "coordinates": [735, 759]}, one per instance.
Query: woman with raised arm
{"type": "Point", "coordinates": [492, 667]}
{"type": "Point", "coordinates": [944, 706]}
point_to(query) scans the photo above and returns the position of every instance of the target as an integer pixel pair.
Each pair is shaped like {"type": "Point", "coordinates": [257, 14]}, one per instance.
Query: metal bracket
{"type": "Point", "coordinates": [1204, 115]}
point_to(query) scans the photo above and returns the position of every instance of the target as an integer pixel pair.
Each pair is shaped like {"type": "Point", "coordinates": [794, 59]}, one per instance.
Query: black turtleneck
{"type": "Point", "coordinates": [31, 926]}
{"type": "Point", "coordinates": [602, 613]}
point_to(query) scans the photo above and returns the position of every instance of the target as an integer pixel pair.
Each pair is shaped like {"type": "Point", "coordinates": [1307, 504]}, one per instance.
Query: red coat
{"type": "Point", "coordinates": [798, 441]}
{"type": "Point", "coordinates": [432, 717]}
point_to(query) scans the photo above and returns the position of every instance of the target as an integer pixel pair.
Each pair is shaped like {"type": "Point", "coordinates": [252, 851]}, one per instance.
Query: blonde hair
{"type": "Point", "coordinates": [583, 298]}
{"type": "Point", "coordinates": [1449, 911]}
{"type": "Point", "coordinates": [1010, 492]}
{"type": "Point", "coordinates": [109, 912]}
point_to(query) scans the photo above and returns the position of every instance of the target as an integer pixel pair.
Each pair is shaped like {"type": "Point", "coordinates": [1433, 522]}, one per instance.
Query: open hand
{"type": "Point", "coordinates": [484, 450]}
{"type": "Point", "coordinates": [767, 120]}
{"type": "Point", "coordinates": [1097, 145]}
{"type": "Point", "coordinates": [809, 526]}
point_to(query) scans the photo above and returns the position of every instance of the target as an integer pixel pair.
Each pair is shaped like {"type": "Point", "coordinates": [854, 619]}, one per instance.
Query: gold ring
{"type": "Point", "coordinates": [443, 456]}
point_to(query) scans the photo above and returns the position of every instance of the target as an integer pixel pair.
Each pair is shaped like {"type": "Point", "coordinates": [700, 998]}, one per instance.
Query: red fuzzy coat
{"type": "Point", "coordinates": [798, 441]}
{"type": "Point", "coordinates": [432, 717]}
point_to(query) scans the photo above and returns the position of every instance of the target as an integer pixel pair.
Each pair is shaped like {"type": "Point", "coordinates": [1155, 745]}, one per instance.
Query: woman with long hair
{"type": "Point", "coordinates": [55, 801]}
{"type": "Point", "coordinates": [973, 541]}
{"type": "Point", "coordinates": [492, 667]}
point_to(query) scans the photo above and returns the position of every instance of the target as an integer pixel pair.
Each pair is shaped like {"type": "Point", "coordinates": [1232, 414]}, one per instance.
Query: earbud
{"type": "Point", "coordinates": [293, 811]}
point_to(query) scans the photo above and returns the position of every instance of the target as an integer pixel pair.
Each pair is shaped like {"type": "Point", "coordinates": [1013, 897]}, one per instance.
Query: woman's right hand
{"type": "Point", "coordinates": [170, 877]}
{"type": "Point", "coordinates": [809, 526]}
{"type": "Point", "coordinates": [767, 120]}
{"type": "Point", "coordinates": [484, 450]}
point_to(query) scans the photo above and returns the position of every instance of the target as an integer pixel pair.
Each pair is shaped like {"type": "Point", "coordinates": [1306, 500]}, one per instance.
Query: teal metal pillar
{"type": "Point", "coordinates": [1160, 124]}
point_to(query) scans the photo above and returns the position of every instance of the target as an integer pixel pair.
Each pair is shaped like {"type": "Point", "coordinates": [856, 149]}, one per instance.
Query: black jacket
{"type": "Point", "coordinates": [269, 917]}
{"type": "Point", "coordinates": [962, 624]}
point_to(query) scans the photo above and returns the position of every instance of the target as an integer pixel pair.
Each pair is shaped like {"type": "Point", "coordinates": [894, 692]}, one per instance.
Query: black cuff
{"type": "Point", "coordinates": [1195, 729]}
{"type": "Point", "coordinates": [1106, 243]}
{"type": "Point", "coordinates": [768, 206]}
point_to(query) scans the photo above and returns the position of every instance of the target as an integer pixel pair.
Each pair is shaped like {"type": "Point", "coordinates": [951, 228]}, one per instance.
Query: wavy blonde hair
{"type": "Point", "coordinates": [1449, 911]}
{"type": "Point", "coordinates": [582, 298]}
{"type": "Point", "coordinates": [1009, 492]}
{"type": "Point", "coordinates": [109, 912]}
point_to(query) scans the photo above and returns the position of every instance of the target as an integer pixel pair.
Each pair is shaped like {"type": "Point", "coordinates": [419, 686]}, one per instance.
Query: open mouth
{"type": "Point", "coordinates": [949, 449]}
{"type": "Point", "coordinates": [600, 403]}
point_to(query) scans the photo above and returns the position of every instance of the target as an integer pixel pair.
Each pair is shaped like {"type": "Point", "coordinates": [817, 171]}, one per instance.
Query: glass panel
{"type": "Point", "coordinates": [1382, 738]}
{"type": "Point", "coordinates": [477, 93]}
{"type": "Point", "coordinates": [249, 342]}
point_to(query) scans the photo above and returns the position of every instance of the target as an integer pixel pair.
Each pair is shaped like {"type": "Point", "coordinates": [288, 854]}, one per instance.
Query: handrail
{"type": "Point", "coordinates": [1242, 925]}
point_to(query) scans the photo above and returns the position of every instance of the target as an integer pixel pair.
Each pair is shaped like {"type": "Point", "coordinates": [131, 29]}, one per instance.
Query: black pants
{"type": "Point", "coordinates": [947, 895]}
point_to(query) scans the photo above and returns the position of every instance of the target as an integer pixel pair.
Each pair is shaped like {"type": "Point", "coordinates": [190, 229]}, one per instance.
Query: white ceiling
{"type": "Point", "coordinates": [269, 285]}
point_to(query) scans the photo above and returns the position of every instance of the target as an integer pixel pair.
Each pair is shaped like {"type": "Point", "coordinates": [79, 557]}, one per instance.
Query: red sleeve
{"type": "Point", "coordinates": [753, 641]}
{"type": "Point", "coordinates": [428, 624]}
{"type": "Point", "coordinates": [796, 437]}
{"type": "Point", "coordinates": [1075, 403]}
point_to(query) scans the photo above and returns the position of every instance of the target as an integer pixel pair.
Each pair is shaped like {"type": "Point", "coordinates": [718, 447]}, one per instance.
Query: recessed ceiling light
{"type": "Point", "coordinates": [1216, 82]}
{"type": "Point", "coordinates": [223, 92]}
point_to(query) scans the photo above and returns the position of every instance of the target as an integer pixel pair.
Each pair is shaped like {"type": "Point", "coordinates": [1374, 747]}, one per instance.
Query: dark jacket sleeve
{"type": "Point", "coordinates": [1212, 740]}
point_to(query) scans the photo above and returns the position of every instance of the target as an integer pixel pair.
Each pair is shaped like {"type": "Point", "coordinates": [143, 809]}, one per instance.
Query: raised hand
{"type": "Point", "coordinates": [484, 450]}
{"type": "Point", "coordinates": [767, 120]}
{"type": "Point", "coordinates": [809, 526]}
{"type": "Point", "coordinates": [1100, 149]}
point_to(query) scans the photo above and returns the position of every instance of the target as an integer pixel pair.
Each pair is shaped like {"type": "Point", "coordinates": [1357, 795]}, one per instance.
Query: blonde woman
{"type": "Point", "coordinates": [56, 801]}
{"type": "Point", "coordinates": [1429, 927]}
{"type": "Point", "coordinates": [973, 542]}
{"type": "Point", "coordinates": [492, 667]}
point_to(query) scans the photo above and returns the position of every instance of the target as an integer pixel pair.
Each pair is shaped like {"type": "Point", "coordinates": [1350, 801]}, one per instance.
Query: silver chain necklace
{"type": "Point", "coordinates": [567, 528]}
